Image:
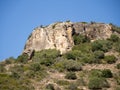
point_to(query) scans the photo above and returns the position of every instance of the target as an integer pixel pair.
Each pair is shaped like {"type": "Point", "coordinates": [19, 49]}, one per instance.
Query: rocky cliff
{"type": "Point", "coordinates": [59, 35]}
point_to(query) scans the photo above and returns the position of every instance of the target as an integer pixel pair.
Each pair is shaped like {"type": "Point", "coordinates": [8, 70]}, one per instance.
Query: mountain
{"type": "Point", "coordinates": [66, 56]}
{"type": "Point", "coordinates": [59, 35]}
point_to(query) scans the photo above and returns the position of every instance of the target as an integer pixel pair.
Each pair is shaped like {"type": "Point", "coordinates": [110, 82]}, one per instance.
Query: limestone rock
{"type": "Point", "coordinates": [55, 36]}
{"type": "Point", "coordinates": [94, 31]}
{"type": "Point", "coordinates": [59, 35]}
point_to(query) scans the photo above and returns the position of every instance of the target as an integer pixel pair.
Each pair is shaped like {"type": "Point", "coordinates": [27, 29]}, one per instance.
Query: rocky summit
{"type": "Point", "coordinates": [59, 35]}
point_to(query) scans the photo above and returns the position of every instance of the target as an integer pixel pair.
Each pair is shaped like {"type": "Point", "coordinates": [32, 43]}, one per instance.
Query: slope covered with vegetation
{"type": "Point", "coordinates": [89, 65]}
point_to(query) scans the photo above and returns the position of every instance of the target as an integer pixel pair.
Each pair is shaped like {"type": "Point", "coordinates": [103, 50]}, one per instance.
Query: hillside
{"type": "Point", "coordinates": [66, 56]}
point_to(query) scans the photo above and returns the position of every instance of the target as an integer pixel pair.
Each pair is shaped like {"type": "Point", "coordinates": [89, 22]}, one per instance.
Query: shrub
{"type": "Point", "coordinates": [60, 65]}
{"type": "Point", "coordinates": [10, 83]}
{"type": "Point", "coordinates": [84, 47]}
{"type": "Point", "coordinates": [80, 39]}
{"type": "Point", "coordinates": [72, 86]}
{"type": "Point", "coordinates": [50, 87]}
{"type": "Point", "coordinates": [88, 58]}
{"type": "Point", "coordinates": [35, 67]}
{"type": "Point", "coordinates": [80, 82]}
{"type": "Point", "coordinates": [71, 75]}
{"type": "Point", "coordinates": [10, 60]}
{"type": "Point", "coordinates": [95, 73]}
{"type": "Point", "coordinates": [117, 46]}
{"type": "Point", "coordinates": [62, 82]}
{"type": "Point", "coordinates": [99, 54]}
{"type": "Point", "coordinates": [115, 28]}
{"type": "Point", "coordinates": [118, 66]}
{"type": "Point", "coordinates": [110, 59]}
{"type": "Point", "coordinates": [69, 65]}
{"type": "Point", "coordinates": [15, 75]}
{"type": "Point", "coordinates": [114, 38]}
{"type": "Point", "coordinates": [73, 66]}
{"type": "Point", "coordinates": [17, 71]}
{"type": "Point", "coordinates": [73, 54]}
{"type": "Point", "coordinates": [117, 78]}
{"type": "Point", "coordinates": [102, 45]}
{"type": "Point", "coordinates": [2, 68]}
{"type": "Point", "coordinates": [22, 58]}
{"type": "Point", "coordinates": [97, 83]}
{"type": "Point", "coordinates": [107, 73]}
{"type": "Point", "coordinates": [96, 45]}
{"type": "Point", "coordinates": [47, 61]}
{"type": "Point", "coordinates": [46, 54]}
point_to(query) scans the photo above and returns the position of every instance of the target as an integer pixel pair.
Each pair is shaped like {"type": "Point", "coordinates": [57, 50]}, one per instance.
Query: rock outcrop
{"type": "Point", "coordinates": [55, 36]}
{"type": "Point", "coordinates": [93, 30]}
{"type": "Point", "coordinates": [59, 35]}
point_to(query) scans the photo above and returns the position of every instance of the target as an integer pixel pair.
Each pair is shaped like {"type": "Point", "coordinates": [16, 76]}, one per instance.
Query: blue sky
{"type": "Point", "coordinates": [19, 17]}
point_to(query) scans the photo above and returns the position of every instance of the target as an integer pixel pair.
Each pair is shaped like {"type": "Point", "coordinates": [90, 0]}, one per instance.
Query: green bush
{"type": "Point", "coordinates": [73, 54]}
{"type": "Point", "coordinates": [30, 74]}
{"type": "Point", "coordinates": [117, 46]}
{"type": "Point", "coordinates": [80, 39]}
{"type": "Point", "coordinates": [10, 60]}
{"type": "Point", "coordinates": [47, 61]}
{"type": "Point", "coordinates": [99, 54]}
{"type": "Point", "coordinates": [50, 87]}
{"type": "Point", "coordinates": [45, 56]}
{"type": "Point", "coordinates": [95, 73]}
{"type": "Point", "coordinates": [107, 73]}
{"type": "Point", "coordinates": [2, 68]}
{"type": "Point", "coordinates": [22, 58]}
{"type": "Point", "coordinates": [72, 86]}
{"type": "Point", "coordinates": [73, 65]}
{"type": "Point", "coordinates": [110, 59]}
{"type": "Point", "coordinates": [80, 82]}
{"type": "Point", "coordinates": [71, 75]}
{"type": "Point", "coordinates": [102, 45]}
{"type": "Point", "coordinates": [60, 65]}
{"type": "Point", "coordinates": [118, 80]}
{"type": "Point", "coordinates": [89, 58]}
{"type": "Point", "coordinates": [35, 67]}
{"type": "Point", "coordinates": [9, 83]}
{"type": "Point", "coordinates": [118, 66]}
{"type": "Point", "coordinates": [83, 47]}
{"type": "Point", "coordinates": [115, 28]}
{"type": "Point", "coordinates": [15, 75]}
{"type": "Point", "coordinates": [97, 83]}
{"type": "Point", "coordinates": [62, 82]}
{"type": "Point", "coordinates": [96, 45]}
{"type": "Point", "coordinates": [67, 65]}
{"type": "Point", "coordinates": [114, 38]}
{"type": "Point", "coordinates": [17, 71]}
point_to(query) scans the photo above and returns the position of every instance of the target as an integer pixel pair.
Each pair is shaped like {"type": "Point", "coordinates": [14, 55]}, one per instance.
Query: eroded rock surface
{"type": "Point", "coordinates": [59, 35]}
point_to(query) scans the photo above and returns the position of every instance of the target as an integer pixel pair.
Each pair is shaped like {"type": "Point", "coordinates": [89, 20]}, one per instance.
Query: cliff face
{"type": "Point", "coordinates": [59, 35]}
{"type": "Point", "coordinates": [94, 31]}
{"type": "Point", "coordinates": [55, 36]}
